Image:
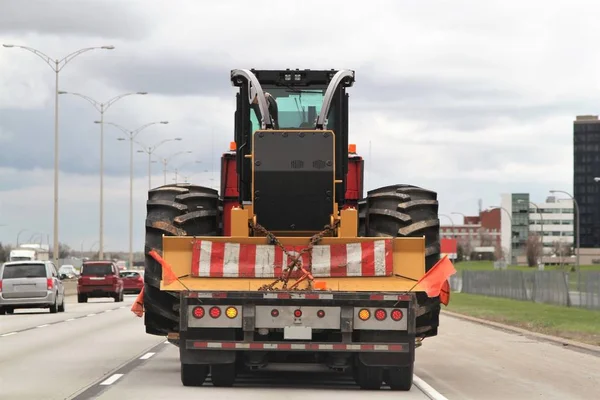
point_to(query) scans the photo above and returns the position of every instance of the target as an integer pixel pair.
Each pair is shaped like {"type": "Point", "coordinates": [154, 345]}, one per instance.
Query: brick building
{"type": "Point", "coordinates": [478, 235]}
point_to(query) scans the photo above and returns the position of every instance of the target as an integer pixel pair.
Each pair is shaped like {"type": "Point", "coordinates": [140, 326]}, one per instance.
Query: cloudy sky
{"type": "Point", "coordinates": [468, 98]}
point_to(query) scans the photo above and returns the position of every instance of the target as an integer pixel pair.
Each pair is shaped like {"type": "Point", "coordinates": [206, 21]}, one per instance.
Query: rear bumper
{"type": "Point", "coordinates": [29, 302]}
{"type": "Point", "coordinates": [97, 290]}
{"type": "Point", "coordinates": [334, 338]}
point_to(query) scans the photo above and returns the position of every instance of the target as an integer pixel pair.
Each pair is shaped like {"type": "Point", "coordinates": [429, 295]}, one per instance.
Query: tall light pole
{"type": "Point", "coordinates": [57, 65]}
{"type": "Point", "coordinates": [102, 108]}
{"type": "Point", "coordinates": [511, 232]}
{"type": "Point", "coordinates": [577, 237]}
{"type": "Point", "coordinates": [150, 150]}
{"type": "Point", "coordinates": [132, 135]}
{"type": "Point", "coordinates": [166, 160]}
{"type": "Point", "coordinates": [451, 222]}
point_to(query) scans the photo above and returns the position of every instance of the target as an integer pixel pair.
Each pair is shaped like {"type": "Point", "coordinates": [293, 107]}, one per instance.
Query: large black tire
{"type": "Point", "coordinates": [173, 210]}
{"type": "Point", "coordinates": [407, 211]}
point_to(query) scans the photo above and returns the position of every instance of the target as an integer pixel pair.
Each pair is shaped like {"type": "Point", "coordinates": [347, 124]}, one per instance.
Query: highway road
{"type": "Point", "coordinates": [99, 350]}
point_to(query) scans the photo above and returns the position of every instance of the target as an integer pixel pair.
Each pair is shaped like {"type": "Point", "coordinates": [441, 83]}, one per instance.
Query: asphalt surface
{"type": "Point", "coordinates": [91, 352]}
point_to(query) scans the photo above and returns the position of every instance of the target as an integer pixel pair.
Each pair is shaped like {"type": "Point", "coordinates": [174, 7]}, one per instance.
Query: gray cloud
{"type": "Point", "coordinates": [110, 19]}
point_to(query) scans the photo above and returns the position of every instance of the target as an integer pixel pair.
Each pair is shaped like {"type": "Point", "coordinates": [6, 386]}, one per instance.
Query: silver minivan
{"type": "Point", "coordinates": [30, 284]}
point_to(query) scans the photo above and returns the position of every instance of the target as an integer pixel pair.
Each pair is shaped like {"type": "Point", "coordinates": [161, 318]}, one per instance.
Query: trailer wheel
{"type": "Point", "coordinates": [223, 375]}
{"type": "Point", "coordinates": [400, 378]}
{"type": "Point", "coordinates": [407, 211]}
{"type": "Point", "coordinates": [193, 374]}
{"type": "Point", "coordinates": [178, 209]}
{"type": "Point", "coordinates": [368, 378]}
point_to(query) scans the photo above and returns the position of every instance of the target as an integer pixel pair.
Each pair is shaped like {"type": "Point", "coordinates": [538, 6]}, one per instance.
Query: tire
{"type": "Point", "coordinates": [193, 374]}
{"type": "Point", "coordinates": [81, 298]}
{"type": "Point", "coordinates": [10, 311]}
{"type": "Point", "coordinates": [61, 308]}
{"type": "Point", "coordinates": [400, 378]}
{"type": "Point", "coordinates": [2, 311]}
{"type": "Point", "coordinates": [177, 209]}
{"type": "Point", "coordinates": [368, 378]}
{"type": "Point", "coordinates": [54, 307]}
{"type": "Point", "coordinates": [407, 211]}
{"type": "Point", "coordinates": [223, 375]}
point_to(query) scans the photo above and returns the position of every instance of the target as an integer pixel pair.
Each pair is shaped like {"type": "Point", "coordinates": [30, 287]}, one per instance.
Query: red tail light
{"type": "Point", "coordinates": [198, 312]}
{"type": "Point", "coordinates": [298, 313]}
{"type": "Point", "coordinates": [320, 313]}
{"type": "Point", "coordinates": [380, 314]}
{"type": "Point", "coordinates": [0, 285]}
{"type": "Point", "coordinates": [396, 315]}
{"type": "Point", "coordinates": [215, 312]}
{"type": "Point", "coordinates": [274, 313]}
{"type": "Point", "coordinates": [50, 283]}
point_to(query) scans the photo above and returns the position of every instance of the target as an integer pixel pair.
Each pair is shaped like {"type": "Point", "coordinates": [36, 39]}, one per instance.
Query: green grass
{"type": "Point", "coordinates": [571, 323]}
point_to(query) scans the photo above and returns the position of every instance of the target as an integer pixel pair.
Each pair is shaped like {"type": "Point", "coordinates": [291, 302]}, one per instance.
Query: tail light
{"type": "Point", "coordinates": [0, 285]}
{"type": "Point", "coordinates": [198, 312]}
{"type": "Point", "coordinates": [231, 312]}
{"type": "Point", "coordinates": [215, 312]}
{"type": "Point", "coordinates": [297, 313]}
{"type": "Point", "coordinates": [396, 315]}
{"type": "Point", "coordinates": [320, 313]}
{"type": "Point", "coordinates": [380, 315]}
{"type": "Point", "coordinates": [364, 314]}
{"type": "Point", "coordinates": [274, 313]}
{"type": "Point", "coordinates": [50, 283]}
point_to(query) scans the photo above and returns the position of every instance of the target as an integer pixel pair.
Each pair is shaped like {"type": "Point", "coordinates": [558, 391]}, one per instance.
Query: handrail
{"type": "Point", "coordinates": [266, 120]}
{"type": "Point", "coordinates": [329, 93]}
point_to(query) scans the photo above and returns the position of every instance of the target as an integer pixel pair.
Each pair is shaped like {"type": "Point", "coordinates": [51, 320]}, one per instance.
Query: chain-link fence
{"type": "Point", "coordinates": [549, 287]}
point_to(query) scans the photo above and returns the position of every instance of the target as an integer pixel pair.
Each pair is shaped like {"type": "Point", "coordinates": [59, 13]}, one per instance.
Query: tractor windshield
{"type": "Point", "coordinates": [297, 107]}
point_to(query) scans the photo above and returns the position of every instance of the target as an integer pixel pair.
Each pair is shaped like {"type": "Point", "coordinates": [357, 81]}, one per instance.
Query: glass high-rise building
{"type": "Point", "coordinates": [586, 160]}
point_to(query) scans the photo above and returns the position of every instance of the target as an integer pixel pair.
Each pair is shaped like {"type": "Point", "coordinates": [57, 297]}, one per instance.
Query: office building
{"type": "Point", "coordinates": [586, 160]}
{"type": "Point", "coordinates": [553, 220]}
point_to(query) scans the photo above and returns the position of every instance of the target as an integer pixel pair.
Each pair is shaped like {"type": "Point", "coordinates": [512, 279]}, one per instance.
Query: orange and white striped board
{"type": "Point", "coordinates": [234, 260]}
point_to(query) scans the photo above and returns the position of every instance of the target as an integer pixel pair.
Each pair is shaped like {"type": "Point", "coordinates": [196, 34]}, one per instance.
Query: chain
{"type": "Point", "coordinates": [296, 261]}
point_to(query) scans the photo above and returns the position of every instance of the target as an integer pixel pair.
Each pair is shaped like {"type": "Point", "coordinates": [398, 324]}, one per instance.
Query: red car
{"type": "Point", "coordinates": [99, 279]}
{"type": "Point", "coordinates": [133, 281]}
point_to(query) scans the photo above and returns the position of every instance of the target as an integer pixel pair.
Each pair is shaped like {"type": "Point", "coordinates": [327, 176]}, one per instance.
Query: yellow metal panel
{"type": "Point", "coordinates": [239, 222]}
{"type": "Point", "coordinates": [349, 223]}
{"type": "Point", "coordinates": [409, 265]}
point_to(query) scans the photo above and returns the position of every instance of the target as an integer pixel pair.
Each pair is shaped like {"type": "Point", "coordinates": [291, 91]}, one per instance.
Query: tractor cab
{"type": "Point", "coordinates": [291, 136]}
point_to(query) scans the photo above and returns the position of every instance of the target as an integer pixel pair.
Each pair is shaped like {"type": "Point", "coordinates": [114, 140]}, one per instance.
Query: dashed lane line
{"type": "Point", "coordinates": [111, 380]}
{"type": "Point", "coordinates": [59, 322]}
{"type": "Point", "coordinates": [94, 390]}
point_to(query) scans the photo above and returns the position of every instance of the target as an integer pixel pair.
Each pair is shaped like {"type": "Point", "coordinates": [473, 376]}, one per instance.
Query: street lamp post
{"type": "Point", "coordinates": [577, 237]}
{"type": "Point", "coordinates": [102, 107]}
{"type": "Point", "coordinates": [132, 135]}
{"type": "Point", "coordinates": [57, 65]}
{"type": "Point", "coordinates": [150, 150]}
{"type": "Point", "coordinates": [166, 160]}
{"type": "Point", "coordinates": [510, 246]}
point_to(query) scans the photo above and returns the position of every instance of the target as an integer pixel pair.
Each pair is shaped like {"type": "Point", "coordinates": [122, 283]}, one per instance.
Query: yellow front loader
{"type": "Point", "coordinates": [290, 262]}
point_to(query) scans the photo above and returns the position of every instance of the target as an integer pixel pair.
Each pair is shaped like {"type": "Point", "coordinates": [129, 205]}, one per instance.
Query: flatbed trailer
{"type": "Point", "coordinates": [291, 262]}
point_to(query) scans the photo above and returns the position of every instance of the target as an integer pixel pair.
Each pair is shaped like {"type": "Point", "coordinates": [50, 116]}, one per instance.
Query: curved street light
{"type": "Point", "coordinates": [102, 107]}
{"type": "Point", "coordinates": [57, 65]}
{"type": "Point", "coordinates": [576, 205]}
{"type": "Point", "coordinates": [132, 135]}
{"type": "Point", "coordinates": [166, 160]}
{"type": "Point", "coordinates": [150, 150]}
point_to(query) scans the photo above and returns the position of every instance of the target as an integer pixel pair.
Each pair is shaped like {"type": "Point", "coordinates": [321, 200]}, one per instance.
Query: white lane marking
{"type": "Point", "coordinates": [146, 356]}
{"type": "Point", "coordinates": [70, 319]}
{"type": "Point", "coordinates": [90, 315]}
{"type": "Point", "coordinates": [167, 342]}
{"type": "Point", "coordinates": [112, 379]}
{"type": "Point", "coordinates": [107, 310]}
{"type": "Point", "coordinates": [427, 389]}
{"type": "Point", "coordinates": [8, 334]}
{"type": "Point", "coordinates": [122, 307]}
{"type": "Point", "coordinates": [42, 326]}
